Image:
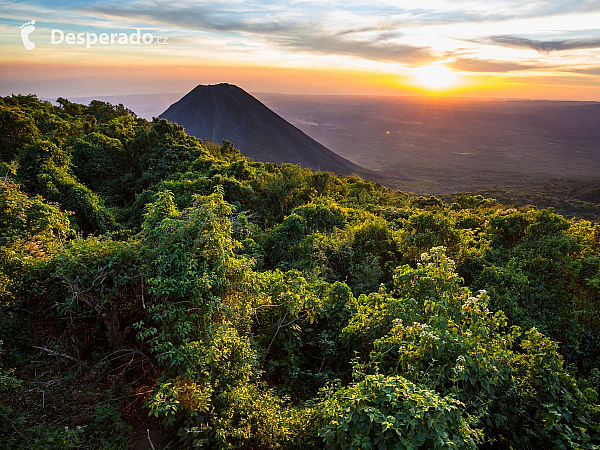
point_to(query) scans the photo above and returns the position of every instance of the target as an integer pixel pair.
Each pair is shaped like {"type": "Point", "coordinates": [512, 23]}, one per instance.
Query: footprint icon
{"type": "Point", "coordinates": [26, 30]}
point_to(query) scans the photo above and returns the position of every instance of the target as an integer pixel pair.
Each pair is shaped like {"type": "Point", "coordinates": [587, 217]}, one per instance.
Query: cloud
{"type": "Point", "coordinates": [284, 29]}
{"type": "Point", "coordinates": [440, 12]}
{"type": "Point", "coordinates": [487, 65]}
{"type": "Point", "coordinates": [595, 71]}
{"type": "Point", "coordinates": [374, 49]}
{"type": "Point", "coordinates": [204, 16]}
{"type": "Point", "coordinates": [544, 46]}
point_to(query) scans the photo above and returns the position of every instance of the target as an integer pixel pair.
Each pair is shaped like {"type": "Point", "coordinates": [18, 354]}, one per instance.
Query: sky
{"type": "Point", "coordinates": [539, 49]}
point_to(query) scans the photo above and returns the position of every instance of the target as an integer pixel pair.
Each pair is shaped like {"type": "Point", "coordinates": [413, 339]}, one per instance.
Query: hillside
{"type": "Point", "coordinates": [161, 292]}
{"type": "Point", "coordinates": [226, 112]}
{"type": "Point", "coordinates": [526, 149]}
{"type": "Point", "coordinates": [527, 152]}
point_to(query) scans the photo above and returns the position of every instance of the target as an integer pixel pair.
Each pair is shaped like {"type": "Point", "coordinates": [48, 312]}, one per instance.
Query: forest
{"type": "Point", "coordinates": [157, 291]}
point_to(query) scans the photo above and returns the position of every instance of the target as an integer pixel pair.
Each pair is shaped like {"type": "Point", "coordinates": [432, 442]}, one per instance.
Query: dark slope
{"type": "Point", "coordinates": [224, 111]}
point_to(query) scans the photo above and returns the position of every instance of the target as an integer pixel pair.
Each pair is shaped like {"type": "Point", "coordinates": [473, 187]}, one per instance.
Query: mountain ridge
{"type": "Point", "coordinates": [227, 112]}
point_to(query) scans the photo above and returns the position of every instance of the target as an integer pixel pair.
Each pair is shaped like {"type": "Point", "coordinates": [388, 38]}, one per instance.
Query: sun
{"type": "Point", "coordinates": [435, 77]}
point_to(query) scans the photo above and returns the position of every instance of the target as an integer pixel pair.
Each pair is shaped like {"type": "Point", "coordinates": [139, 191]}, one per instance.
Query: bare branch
{"type": "Point", "coordinates": [62, 355]}
{"type": "Point", "coordinates": [150, 440]}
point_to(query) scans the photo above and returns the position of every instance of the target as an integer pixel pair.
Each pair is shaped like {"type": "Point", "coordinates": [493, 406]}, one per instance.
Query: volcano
{"type": "Point", "coordinates": [226, 112]}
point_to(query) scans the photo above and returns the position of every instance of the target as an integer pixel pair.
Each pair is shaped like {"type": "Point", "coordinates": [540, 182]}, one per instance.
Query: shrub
{"type": "Point", "coordinates": [390, 412]}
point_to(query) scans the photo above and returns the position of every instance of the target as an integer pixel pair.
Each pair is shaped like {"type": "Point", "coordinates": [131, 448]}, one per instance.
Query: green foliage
{"type": "Point", "coordinates": [101, 277]}
{"type": "Point", "coordinates": [99, 162]}
{"type": "Point", "coordinates": [256, 418]}
{"type": "Point", "coordinates": [425, 230]}
{"type": "Point", "coordinates": [28, 223]}
{"type": "Point", "coordinates": [536, 270]}
{"type": "Point", "coordinates": [232, 304]}
{"type": "Point", "coordinates": [108, 430]}
{"type": "Point", "coordinates": [45, 168]}
{"type": "Point", "coordinates": [41, 437]}
{"type": "Point", "coordinates": [382, 412]}
{"type": "Point", "coordinates": [18, 129]}
{"type": "Point", "coordinates": [105, 112]}
{"type": "Point", "coordinates": [435, 333]}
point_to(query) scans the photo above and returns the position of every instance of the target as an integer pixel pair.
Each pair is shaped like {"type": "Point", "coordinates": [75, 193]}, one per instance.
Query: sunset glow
{"type": "Point", "coordinates": [539, 49]}
{"type": "Point", "coordinates": [435, 77]}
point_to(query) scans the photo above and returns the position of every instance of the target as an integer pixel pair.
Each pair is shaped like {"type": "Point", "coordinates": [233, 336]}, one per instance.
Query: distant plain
{"type": "Point", "coordinates": [545, 153]}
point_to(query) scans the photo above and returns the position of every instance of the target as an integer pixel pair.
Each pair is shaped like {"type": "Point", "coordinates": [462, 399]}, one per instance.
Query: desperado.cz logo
{"type": "Point", "coordinates": [26, 30]}
{"type": "Point", "coordinates": [89, 39]}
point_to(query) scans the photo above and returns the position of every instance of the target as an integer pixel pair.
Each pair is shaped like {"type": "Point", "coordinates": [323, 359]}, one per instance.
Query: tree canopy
{"type": "Point", "coordinates": [155, 287]}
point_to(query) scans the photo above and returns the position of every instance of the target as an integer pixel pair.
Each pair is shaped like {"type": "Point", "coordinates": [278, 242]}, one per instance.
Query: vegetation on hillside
{"type": "Point", "coordinates": [155, 288]}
